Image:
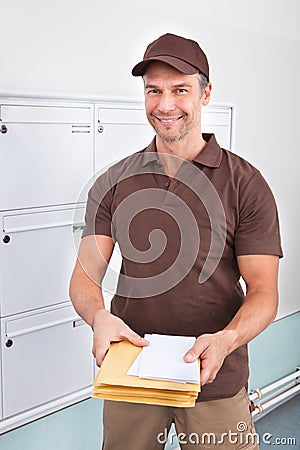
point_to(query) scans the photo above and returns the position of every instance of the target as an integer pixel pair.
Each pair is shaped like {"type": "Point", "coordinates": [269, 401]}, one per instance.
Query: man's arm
{"type": "Point", "coordinates": [86, 295]}
{"type": "Point", "coordinates": [260, 273]}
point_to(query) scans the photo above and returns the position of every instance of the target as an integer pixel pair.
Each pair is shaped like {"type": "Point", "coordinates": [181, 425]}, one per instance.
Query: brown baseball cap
{"type": "Point", "coordinates": [183, 54]}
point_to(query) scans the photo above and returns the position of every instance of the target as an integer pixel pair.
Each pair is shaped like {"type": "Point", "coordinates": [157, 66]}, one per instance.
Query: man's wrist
{"type": "Point", "coordinates": [229, 339]}
{"type": "Point", "coordinates": [102, 312]}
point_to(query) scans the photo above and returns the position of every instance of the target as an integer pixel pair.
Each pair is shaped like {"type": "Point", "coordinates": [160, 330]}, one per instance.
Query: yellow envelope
{"type": "Point", "coordinates": [113, 383]}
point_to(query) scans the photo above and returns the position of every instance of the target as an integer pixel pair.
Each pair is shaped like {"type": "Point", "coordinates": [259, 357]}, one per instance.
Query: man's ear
{"type": "Point", "coordinates": [206, 94]}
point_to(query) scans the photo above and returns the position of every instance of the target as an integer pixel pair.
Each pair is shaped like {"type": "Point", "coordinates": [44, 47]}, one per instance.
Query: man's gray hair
{"type": "Point", "coordinates": [203, 81]}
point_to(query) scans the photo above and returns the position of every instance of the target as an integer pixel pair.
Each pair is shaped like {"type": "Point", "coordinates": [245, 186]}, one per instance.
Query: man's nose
{"type": "Point", "coordinates": [166, 103]}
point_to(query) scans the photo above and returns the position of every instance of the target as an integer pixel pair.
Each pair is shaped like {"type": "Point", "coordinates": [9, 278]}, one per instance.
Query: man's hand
{"type": "Point", "coordinates": [109, 328]}
{"type": "Point", "coordinates": [212, 349]}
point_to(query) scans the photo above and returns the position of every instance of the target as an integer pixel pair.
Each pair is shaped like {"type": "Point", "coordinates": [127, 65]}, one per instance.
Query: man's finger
{"type": "Point", "coordinates": [134, 338]}
{"type": "Point", "coordinates": [194, 352]}
{"type": "Point", "coordinates": [205, 376]}
{"type": "Point", "coordinates": [100, 350]}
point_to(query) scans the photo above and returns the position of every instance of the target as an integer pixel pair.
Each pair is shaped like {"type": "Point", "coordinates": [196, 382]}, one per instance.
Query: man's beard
{"type": "Point", "coordinates": [188, 124]}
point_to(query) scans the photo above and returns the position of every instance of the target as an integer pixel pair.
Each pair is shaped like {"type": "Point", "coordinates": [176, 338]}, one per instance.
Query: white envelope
{"type": "Point", "coordinates": [163, 360]}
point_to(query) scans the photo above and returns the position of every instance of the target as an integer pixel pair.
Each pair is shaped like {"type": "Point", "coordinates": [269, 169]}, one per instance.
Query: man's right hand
{"type": "Point", "coordinates": [109, 328]}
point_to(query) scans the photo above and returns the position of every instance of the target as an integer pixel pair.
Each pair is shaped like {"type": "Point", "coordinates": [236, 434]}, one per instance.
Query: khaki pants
{"type": "Point", "coordinates": [216, 424]}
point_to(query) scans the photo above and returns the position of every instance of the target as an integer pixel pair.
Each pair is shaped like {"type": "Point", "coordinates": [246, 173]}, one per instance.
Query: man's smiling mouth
{"type": "Point", "coordinates": [168, 120]}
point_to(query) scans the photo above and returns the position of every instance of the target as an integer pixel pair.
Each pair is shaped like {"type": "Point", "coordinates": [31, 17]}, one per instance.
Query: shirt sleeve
{"type": "Point", "coordinates": [98, 216]}
{"type": "Point", "coordinates": [258, 229]}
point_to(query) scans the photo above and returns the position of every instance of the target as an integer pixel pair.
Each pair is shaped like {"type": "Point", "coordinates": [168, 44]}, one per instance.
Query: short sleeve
{"type": "Point", "coordinates": [98, 218]}
{"type": "Point", "coordinates": [258, 229]}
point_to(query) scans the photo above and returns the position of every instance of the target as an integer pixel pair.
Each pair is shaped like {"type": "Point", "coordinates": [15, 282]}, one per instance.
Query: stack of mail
{"type": "Point", "coordinates": [156, 374]}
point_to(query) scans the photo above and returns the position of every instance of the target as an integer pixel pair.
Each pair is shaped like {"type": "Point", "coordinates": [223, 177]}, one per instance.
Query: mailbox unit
{"type": "Point", "coordinates": [51, 151]}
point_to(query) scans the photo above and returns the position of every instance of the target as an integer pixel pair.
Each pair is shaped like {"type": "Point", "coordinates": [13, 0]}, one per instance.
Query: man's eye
{"type": "Point", "coordinates": [181, 91]}
{"type": "Point", "coordinates": [153, 91]}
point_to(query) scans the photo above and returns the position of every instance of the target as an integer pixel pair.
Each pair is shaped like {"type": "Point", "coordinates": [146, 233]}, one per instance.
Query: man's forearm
{"type": "Point", "coordinates": [257, 312]}
{"type": "Point", "coordinates": [86, 296]}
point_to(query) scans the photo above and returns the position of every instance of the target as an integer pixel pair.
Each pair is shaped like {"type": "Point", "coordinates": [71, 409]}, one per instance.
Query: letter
{"type": "Point", "coordinates": [165, 436]}
{"type": "Point", "coordinates": [209, 436]}
{"type": "Point", "coordinates": [266, 438]}
{"type": "Point", "coordinates": [181, 437]}
{"type": "Point", "coordinates": [196, 441]}
{"type": "Point", "coordinates": [233, 437]}
{"type": "Point", "coordinates": [252, 438]}
{"type": "Point", "coordinates": [222, 440]}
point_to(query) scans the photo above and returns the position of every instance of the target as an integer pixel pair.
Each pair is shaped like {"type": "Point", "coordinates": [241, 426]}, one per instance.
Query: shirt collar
{"type": "Point", "coordinates": [210, 155]}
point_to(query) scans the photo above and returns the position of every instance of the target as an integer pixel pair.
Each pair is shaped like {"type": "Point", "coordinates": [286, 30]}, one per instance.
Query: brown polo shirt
{"type": "Point", "coordinates": [179, 239]}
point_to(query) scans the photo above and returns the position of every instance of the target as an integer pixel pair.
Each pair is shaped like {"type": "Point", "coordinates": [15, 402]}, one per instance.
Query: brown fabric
{"type": "Point", "coordinates": [161, 293]}
{"type": "Point", "coordinates": [224, 424]}
{"type": "Point", "coordinates": [183, 54]}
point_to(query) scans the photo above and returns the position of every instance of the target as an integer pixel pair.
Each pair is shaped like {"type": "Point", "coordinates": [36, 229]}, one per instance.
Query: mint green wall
{"type": "Point", "coordinates": [273, 354]}
{"type": "Point", "coordinates": [75, 428]}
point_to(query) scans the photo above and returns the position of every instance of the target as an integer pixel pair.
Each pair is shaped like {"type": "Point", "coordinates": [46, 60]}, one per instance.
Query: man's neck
{"type": "Point", "coordinates": [171, 154]}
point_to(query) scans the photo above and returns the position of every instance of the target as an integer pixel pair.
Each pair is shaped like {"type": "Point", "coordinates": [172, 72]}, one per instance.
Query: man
{"type": "Point", "coordinates": [196, 218]}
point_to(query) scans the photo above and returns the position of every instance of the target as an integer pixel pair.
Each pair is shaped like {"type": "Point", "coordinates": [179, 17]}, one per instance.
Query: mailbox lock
{"type": "Point", "coordinates": [9, 343]}
{"type": "Point", "coordinates": [3, 129]}
{"type": "Point", "coordinates": [100, 128]}
{"type": "Point", "coordinates": [6, 239]}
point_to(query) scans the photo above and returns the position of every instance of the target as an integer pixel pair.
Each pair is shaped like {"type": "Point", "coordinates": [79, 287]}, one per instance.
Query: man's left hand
{"type": "Point", "coordinates": [212, 349]}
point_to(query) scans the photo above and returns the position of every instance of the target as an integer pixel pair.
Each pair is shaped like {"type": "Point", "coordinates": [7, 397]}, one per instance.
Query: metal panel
{"type": "Point", "coordinates": [45, 114]}
{"type": "Point", "coordinates": [37, 256]}
{"type": "Point", "coordinates": [120, 132]}
{"type": "Point", "coordinates": [122, 116]}
{"type": "Point", "coordinates": [218, 121]}
{"type": "Point", "coordinates": [45, 356]}
{"type": "Point", "coordinates": [44, 163]}
{"type": "Point", "coordinates": [19, 326]}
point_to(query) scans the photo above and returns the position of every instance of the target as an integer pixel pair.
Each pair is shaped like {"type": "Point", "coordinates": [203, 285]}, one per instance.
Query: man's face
{"type": "Point", "coordinates": [172, 101]}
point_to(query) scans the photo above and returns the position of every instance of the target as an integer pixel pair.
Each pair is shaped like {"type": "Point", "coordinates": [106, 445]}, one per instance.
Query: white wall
{"type": "Point", "coordinates": [88, 48]}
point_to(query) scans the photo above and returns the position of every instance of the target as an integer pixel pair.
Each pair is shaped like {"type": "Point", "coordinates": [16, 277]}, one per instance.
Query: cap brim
{"type": "Point", "coordinates": [178, 64]}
